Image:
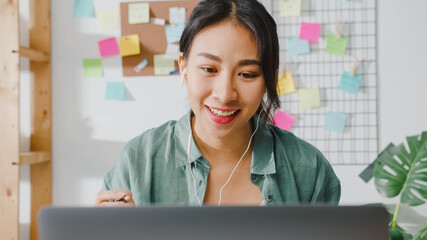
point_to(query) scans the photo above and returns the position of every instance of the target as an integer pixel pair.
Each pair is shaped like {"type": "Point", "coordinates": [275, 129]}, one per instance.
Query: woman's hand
{"type": "Point", "coordinates": [114, 198]}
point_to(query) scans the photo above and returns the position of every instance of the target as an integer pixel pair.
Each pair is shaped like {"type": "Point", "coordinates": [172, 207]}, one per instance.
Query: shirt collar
{"type": "Point", "coordinates": [263, 161]}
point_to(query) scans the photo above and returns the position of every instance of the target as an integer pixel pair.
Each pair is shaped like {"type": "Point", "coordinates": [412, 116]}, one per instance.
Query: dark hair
{"type": "Point", "coordinates": [258, 21]}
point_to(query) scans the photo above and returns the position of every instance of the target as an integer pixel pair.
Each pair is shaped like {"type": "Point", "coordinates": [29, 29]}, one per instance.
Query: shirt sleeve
{"type": "Point", "coordinates": [118, 177]}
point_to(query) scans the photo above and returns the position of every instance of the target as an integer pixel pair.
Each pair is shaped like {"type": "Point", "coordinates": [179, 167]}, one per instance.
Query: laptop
{"type": "Point", "coordinates": [206, 223]}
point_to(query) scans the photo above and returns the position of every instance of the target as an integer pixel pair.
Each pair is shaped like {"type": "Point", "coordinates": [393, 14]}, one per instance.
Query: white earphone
{"type": "Point", "coordinates": [184, 72]}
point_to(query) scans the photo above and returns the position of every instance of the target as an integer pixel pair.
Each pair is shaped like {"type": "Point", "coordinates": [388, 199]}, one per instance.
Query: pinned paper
{"type": "Point", "coordinates": [285, 84]}
{"type": "Point", "coordinates": [309, 98]}
{"type": "Point", "coordinates": [115, 91]}
{"type": "Point", "coordinates": [172, 51]}
{"type": "Point", "coordinates": [335, 45]}
{"type": "Point", "coordinates": [290, 8]}
{"type": "Point", "coordinates": [108, 47]}
{"type": "Point", "coordinates": [129, 45]}
{"type": "Point", "coordinates": [297, 46]}
{"type": "Point", "coordinates": [310, 31]}
{"type": "Point", "coordinates": [283, 120]}
{"type": "Point", "coordinates": [174, 32]}
{"type": "Point", "coordinates": [176, 15]}
{"type": "Point", "coordinates": [350, 84]}
{"type": "Point", "coordinates": [141, 65]}
{"type": "Point", "coordinates": [92, 67]}
{"type": "Point", "coordinates": [158, 21]}
{"type": "Point", "coordinates": [335, 122]}
{"type": "Point", "coordinates": [163, 65]}
{"type": "Point", "coordinates": [107, 19]}
{"type": "Point", "coordinates": [83, 9]}
{"type": "Point", "coordinates": [139, 13]}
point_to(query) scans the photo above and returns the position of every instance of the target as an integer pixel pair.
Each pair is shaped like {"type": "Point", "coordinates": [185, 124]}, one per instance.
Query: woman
{"type": "Point", "coordinates": [223, 152]}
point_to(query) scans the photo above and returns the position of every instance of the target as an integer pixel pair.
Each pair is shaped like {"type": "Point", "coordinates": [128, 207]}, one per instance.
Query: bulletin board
{"type": "Point", "coordinates": [358, 144]}
{"type": "Point", "coordinates": [152, 37]}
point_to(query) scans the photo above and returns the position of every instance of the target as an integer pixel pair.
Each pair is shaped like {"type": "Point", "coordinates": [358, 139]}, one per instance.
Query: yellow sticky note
{"type": "Point", "coordinates": [290, 8]}
{"type": "Point", "coordinates": [285, 84]}
{"type": "Point", "coordinates": [107, 19]}
{"type": "Point", "coordinates": [163, 65]}
{"type": "Point", "coordinates": [139, 13]}
{"type": "Point", "coordinates": [129, 45]}
{"type": "Point", "coordinates": [309, 98]}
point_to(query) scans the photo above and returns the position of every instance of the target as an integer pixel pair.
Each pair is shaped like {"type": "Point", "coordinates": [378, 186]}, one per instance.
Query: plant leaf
{"type": "Point", "coordinates": [407, 176]}
{"type": "Point", "coordinates": [422, 234]}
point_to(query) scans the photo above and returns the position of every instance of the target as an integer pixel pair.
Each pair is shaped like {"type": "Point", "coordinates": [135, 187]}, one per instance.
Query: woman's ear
{"type": "Point", "coordinates": [183, 69]}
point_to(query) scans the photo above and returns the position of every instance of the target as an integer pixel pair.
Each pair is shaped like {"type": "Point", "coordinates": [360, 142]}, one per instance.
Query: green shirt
{"type": "Point", "coordinates": [155, 168]}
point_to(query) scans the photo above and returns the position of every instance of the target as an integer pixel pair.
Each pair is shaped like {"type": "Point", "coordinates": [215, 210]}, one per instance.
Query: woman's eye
{"type": "Point", "coordinates": [209, 70]}
{"type": "Point", "coordinates": [248, 75]}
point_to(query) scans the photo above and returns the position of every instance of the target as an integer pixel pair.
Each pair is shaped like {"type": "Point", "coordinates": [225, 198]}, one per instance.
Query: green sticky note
{"type": "Point", "coordinates": [115, 91]}
{"type": "Point", "coordinates": [92, 67]}
{"type": "Point", "coordinates": [83, 9]}
{"type": "Point", "coordinates": [139, 13]}
{"type": "Point", "coordinates": [163, 65]}
{"type": "Point", "coordinates": [309, 98]}
{"type": "Point", "coordinates": [107, 19]}
{"type": "Point", "coordinates": [335, 45]}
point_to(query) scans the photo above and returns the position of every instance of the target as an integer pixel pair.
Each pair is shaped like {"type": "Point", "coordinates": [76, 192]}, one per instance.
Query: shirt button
{"type": "Point", "coordinates": [254, 178]}
{"type": "Point", "coordinates": [269, 198]}
{"type": "Point", "coordinates": [200, 183]}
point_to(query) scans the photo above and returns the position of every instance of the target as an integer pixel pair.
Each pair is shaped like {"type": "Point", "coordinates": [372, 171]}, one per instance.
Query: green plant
{"type": "Point", "coordinates": [401, 171]}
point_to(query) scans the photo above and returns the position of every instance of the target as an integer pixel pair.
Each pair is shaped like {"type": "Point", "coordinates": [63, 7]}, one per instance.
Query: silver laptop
{"type": "Point", "coordinates": [203, 223]}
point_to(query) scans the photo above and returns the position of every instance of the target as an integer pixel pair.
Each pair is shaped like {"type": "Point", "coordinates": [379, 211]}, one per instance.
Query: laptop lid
{"type": "Point", "coordinates": [191, 223]}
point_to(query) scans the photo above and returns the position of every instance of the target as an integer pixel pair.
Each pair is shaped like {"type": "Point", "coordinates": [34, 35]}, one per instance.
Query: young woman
{"type": "Point", "coordinates": [223, 151]}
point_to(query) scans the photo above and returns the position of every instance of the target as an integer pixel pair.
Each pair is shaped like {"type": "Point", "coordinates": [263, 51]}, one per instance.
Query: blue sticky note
{"type": "Point", "coordinates": [335, 122]}
{"type": "Point", "coordinates": [298, 46]}
{"type": "Point", "coordinates": [83, 9]}
{"type": "Point", "coordinates": [115, 91]}
{"type": "Point", "coordinates": [174, 32]}
{"type": "Point", "coordinates": [350, 84]}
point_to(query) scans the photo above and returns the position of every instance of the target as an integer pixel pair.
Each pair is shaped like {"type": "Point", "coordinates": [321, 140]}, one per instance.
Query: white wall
{"type": "Point", "coordinates": [89, 132]}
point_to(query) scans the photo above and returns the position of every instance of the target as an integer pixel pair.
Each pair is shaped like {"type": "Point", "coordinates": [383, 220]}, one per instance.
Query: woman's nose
{"type": "Point", "coordinates": [224, 88]}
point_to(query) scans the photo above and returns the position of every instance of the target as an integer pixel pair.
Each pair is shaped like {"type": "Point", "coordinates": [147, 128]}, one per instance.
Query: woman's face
{"type": "Point", "coordinates": [224, 79]}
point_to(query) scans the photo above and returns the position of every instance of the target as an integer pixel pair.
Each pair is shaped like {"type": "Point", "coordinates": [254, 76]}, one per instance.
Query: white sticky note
{"type": "Point", "coordinates": [176, 15]}
{"type": "Point", "coordinates": [139, 13]}
{"type": "Point", "coordinates": [158, 21]}
{"type": "Point", "coordinates": [172, 51]}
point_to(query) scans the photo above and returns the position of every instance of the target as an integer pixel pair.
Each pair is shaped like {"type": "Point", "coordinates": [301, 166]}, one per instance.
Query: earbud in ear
{"type": "Point", "coordinates": [184, 72]}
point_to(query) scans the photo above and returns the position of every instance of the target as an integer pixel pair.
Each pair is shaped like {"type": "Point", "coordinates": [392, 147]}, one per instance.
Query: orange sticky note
{"type": "Point", "coordinates": [285, 84]}
{"type": "Point", "coordinates": [129, 45]}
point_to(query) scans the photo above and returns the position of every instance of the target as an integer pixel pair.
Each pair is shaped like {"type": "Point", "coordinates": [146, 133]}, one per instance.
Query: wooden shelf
{"type": "Point", "coordinates": [28, 158]}
{"type": "Point", "coordinates": [33, 54]}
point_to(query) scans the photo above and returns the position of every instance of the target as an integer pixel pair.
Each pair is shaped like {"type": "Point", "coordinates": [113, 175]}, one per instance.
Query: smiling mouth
{"type": "Point", "coordinates": [221, 113]}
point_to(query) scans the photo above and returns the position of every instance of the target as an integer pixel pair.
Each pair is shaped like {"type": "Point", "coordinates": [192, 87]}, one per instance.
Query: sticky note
{"type": "Point", "coordinates": [172, 51]}
{"type": "Point", "coordinates": [309, 98]}
{"type": "Point", "coordinates": [290, 8]}
{"type": "Point", "coordinates": [158, 21]}
{"type": "Point", "coordinates": [350, 84]}
{"type": "Point", "coordinates": [129, 45]}
{"type": "Point", "coordinates": [115, 91]}
{"type": "Point", "coordinates": [92, 67]}
{"type": "Point", "coordinates": [108, 47]}
{"type": "Point", "coordinates": [107, 19]}
{"type": "Point", "coordinates": [335, 45]}
{"type": "Point", "coordinates": [174, 32]}
{"type": "Point", "coordinates": [138, 13]}
{"type": "Point", "coordinates": [83, 9]}
{"type": "Point", "coordinates": [141, 65]}
{"type": "Point", "coordinates": [176, 15]}
{"type": "Point", "coordinates": [335, 122]}
{"type": "Point", "coordinates": [163, 65]}
{"type": "Point", "coordinates": [297, 46]}
{"type": "Point", "coordinates": [285, 84]}
{"type": "Point", "coordinates": [310, 31]}
{"type": "Point", "coordinates": [284, 120]}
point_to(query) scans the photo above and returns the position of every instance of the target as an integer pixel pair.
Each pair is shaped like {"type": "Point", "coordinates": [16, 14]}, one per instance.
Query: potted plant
{"type": "Point", "coordinates": [404, 171]}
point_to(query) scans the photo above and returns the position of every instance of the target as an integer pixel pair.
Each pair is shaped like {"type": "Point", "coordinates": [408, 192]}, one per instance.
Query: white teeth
{"type": "Point", "coordinates": [222, 113]}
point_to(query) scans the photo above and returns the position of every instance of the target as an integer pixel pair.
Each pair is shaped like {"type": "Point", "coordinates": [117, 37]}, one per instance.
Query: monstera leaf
{"type": "Point", "coordinates": [404, 171]}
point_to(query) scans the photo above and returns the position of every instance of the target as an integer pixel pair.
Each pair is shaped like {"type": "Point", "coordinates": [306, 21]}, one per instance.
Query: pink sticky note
{"type": "Point", "coordinates": [284, 120]}
{"type": "Point", "coordinates": [108, 47]}
{"type": "Point", "coordinates": [310, 31]}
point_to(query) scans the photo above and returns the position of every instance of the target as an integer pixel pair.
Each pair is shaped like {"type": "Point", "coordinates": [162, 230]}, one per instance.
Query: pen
{"type": "Point", "coordinates": [125, 198]}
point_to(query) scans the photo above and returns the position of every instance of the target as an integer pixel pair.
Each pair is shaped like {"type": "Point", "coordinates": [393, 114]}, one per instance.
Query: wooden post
{"type": "Point", "coordinates": [9, 119]}
{"type": "Point", "coordinates": [41, 173]}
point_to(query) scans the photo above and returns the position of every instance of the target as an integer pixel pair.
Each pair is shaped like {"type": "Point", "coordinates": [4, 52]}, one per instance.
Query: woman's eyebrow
{"type": "Point", "coordinates": [241, 62]}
